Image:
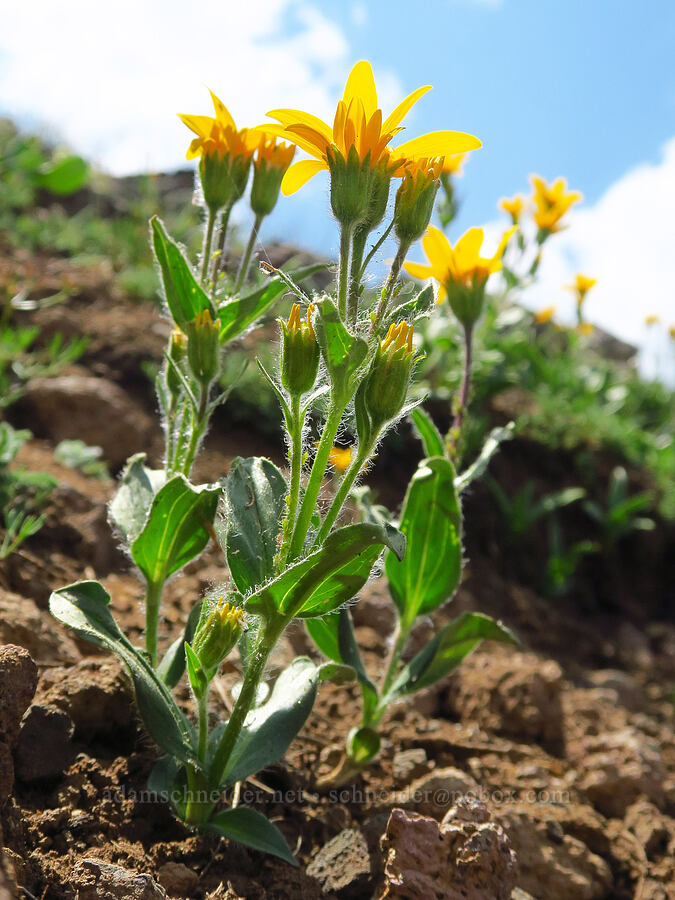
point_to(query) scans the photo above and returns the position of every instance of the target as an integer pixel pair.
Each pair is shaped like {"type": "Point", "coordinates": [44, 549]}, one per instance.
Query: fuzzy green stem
{"type": "Point", "coordinates": [394, 272]}
{"type": "Point", "coordinates": [343, 269]}
{"type": "Point", "coordinates": [199, 424]}
{"type": "Point", "coordinates": [269, 633]}
{"type": "Point", "coordinates": [297, 420]}
{"type": "Point", "coordinates": [376, 246]}
{"type": "Point", "coordinates": [454, 432]}
{"type": "Point", "coordinates": [153, 596]}
{"type": "Point", "coordinates": [343, 492]}
{"type": "Point", "coordinates": [358, 249]}
{"type": "Point", "coordinates": [202, 706]}
{"type": "Point", "coordinates": [208, 242]}
{"type": "Point", "coordinates": [245, 263]}
{"type": "Point", "coordinates": [219, 258]}
{"type": "Point", "coordinates": [313, 488]}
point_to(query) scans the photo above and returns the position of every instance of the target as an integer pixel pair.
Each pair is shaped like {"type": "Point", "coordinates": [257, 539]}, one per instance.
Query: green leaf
{"type": "Point", "coordinates": [342, 353]}
{"type": "Point", "coordinates": [238, 314]}
{"type": "Point", "coordinates": [196, 674]}
{"type": "Point", "coordinates": [255, 491]}
{"type": "Point", "coordinates": [177, 528]}
{"type": "Point", "coordinates": [330, 576]}
{"type": "Point", "coordinates": [490, 447]}
{"type": "Point", "coordinates": [270, 728]}
{"type": "Point", "coordinates": [252, 829]}
{"type": "Point", "coordinates": [431, 438]}
{"type": "Point", "coordinates": [63, 176]}
{"type": "Point", "coordinates": [431, 521]}
{"type": "Point", "coordinates": [337, 673]}
{"type": "Point", "coordinates": [411, 310]}
{"type": "Point", "coordinates": [447, 649]}
{"type": "Point", "coordinates": [334, 636]}
{"type": "Point", "coordinates": [363, 744]}
{"type": "Point", "coordinates": [183, 294]}
{"type": "Point", "coordinates": [172, 666]}
{"type": "Point", "coordinates": [84, 607]}
{"type": "Point", "coordinates": [131, 503]}
{"type": "Point", "coordinates": [11, 441]}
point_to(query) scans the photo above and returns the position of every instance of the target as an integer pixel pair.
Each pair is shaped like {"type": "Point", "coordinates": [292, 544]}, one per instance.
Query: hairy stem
{"type": "Point", "coordinates": [394, 272]}
{"type": "Point", "coordinates": [296, 472]}
{"type": "Point", "coordinates": [358, 249]}
{"type": "Point", "coordinates": [454, 432]}
{"type": "Point", "coordinates": [245, 263]}
{"type": "Point", "coordinates": [342, 492]}
{"type": "Point", "coordinates": [313, 488]}
{"type": "Point", "coordinates": [208, 241]}
{"type": "Point", "coordinates": [153, 596]}
{"type": "Point", "coordinates": [218, 264]}
{"type": "Point", "coordinates": [343, 269]}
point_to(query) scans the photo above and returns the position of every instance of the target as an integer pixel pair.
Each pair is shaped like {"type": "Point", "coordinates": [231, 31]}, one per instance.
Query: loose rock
{"type": "Point", "coordinates": [342, 866]}
{"type": "Point", "coordinates": [466, 856]}
{"type": "Point", "coordinates": [22, 623]}
{"type": "Point", "coordinates": [409, 763]}
{"type": "Point", "coordinates": [97, 880]}
{"type": "Point", "coordinates": [177, 879]}
{"type": "Point", "coordinates": [432, 794]}
{"type": "Point", "coordinates": [18, 680]}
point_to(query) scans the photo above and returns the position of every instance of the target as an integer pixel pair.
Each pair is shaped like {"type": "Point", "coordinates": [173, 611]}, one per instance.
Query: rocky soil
{"type": "Point", "coordinates": [543, 772]}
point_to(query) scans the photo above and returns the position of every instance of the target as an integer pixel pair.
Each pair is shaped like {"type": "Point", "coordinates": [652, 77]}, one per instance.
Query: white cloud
{"type": "Point", "coordinates": [625, 240]}
{"type": "Point", "coordinates": [109, 79]}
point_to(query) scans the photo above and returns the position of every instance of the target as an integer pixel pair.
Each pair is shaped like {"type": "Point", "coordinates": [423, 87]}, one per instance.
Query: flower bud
{"type": "Point", "coordinates": [467, 299]}
{"type": "Point", "coordinates": [217, 633]}
{"type": "Point", "coordinates": [415, 199]}
{"type": "Point", "coordinates": [349, 186]}
{"type": "Point", "coordinates": [203, 347]}
{"type": "Point", "coordinates": [270, 165]}
{"type": "Point", "coordinates": [386, 384]}
{"type": "Point", "coordinates": [177, 353]}
{"type": "Point", "coordinates": [299, 352]}
{"type": "Point", "coordinates": [223, 178]}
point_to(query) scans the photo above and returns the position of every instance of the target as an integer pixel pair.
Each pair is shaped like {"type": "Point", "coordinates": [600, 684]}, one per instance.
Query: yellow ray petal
{"type": "Point", "coordinates": [201, 125]}
{"type": "Point", "coordinates": [404, 107]}
{"type": "Point", "coordinates": [222, 112]}
{"type": "Point", "coordinates": [417, 270]}
{"type": "Point", "coordinates": [299, 174]}
{"type": "Point", "coordinates": [442, 294]}
{"type": "Point", "coordinates": [468, 246]}
{"type": "Point", "coordinates": [292, 136]}
{"type": "Point", "coordinates": [438, 250]}
{"type": "Point", "coordinates": [361, 84]}
{"type": "Point", "coordinates": [298, 117]}
{"type": "Point", "coordinates": [438, 143]}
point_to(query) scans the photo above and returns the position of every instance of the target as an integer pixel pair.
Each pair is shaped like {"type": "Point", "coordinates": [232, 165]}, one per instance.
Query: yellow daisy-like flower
{"type": "Point", "coordinates": [453, 165]}
{"type": "Point", "coordinates": [544, 315]}
{"type": "Point", "coordinates": [359, 125]}
{"type": "Point", "coordinates": [585, 328]}
{"type": "Point", "coordinates": [461, 264]}
{"type": "Point", "coordinates": [551, 202]}
{"type": "Point", "coordinates": [652, 319]}
{"type": "Point", "coordinates": [582, 285]}
{"type": "Point", "coordinates": [514, 206]}
{"type": "Point", "coordinates": [220, 134]}
{"type": "Point", "coordinates": [272, 159]}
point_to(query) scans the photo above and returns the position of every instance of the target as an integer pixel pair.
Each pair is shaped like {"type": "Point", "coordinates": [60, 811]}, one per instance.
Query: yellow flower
{"type": "Point", "coordinates": [514, 206]}
{"type": "Point", "coordinates": [220, 134]}
{"type": "Point", "coordinates": [359, 126]}
{"type": "Point", "coordinates": [272, 159]}
{"type": "Point", "coordinates": [340, 458]}
{"type": "Point", "coordinates": [585, 328]}
{"type": "Point", "coordinates": [462, 265]}
{"type": "Point", "coordinates": [544, 315]}
{"type": "Point", "coordinates": [582, 285]}
{"type": "Point", "coordinates": [551, 202]}
{"type": "Point", "coordinates": [652, 319]}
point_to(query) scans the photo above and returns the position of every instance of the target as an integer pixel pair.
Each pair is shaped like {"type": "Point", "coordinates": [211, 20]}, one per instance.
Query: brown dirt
{"type": "Point", "coordinates": [566, 743]}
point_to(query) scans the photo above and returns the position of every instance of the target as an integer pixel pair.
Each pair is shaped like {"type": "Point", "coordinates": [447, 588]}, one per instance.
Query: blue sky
{"type": "Point", "coordinates": [559, 87]}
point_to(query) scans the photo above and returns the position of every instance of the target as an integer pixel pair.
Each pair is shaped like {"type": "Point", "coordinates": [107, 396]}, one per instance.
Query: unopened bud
{"type": "Point", "coordinates": [349, 186]}
{"type": "Point", "coordinates": [177, 353]}
{"type": "Point", "coordinates": [203, 347]}
{"type": "Point", "coordinates": [299, 352]}
{"type": "Point", "coordinates": [415, 199]}
{"type": "Point", "coordinates": [223, 178]}
{"type": "Point", "coordinates": [386, 385]}
{"type": "Point", "coordinates": [217, 633]}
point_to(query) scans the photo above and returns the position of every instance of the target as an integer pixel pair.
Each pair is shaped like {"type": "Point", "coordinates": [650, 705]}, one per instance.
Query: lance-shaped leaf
{"type": "Point", "coordinates": [431, 521]}
{"type": "Point", "coordinates": [330, 576]}
{"type": "Point", "coordinates": [238, 314]}
{"type": "Point", "coordinates": [490, 447]}
{"type": "Point", "coordinates": [270, 728]}
{"type": "Point", "coordinates": [446, 650]}
{"type": "Point", "coordinates": [342, 353]}
{"type": "Point", "coordinates": [255, 491]}
{"type": "Point", "coordinates": [131, 503]}
{"type": "Point", "coordinates": [252, 829]}
{"type": "Point", "coordinates": [177, 528]}
{"type": "Point", "coordinates": [431, 438]}
{"type": "Point", "coordinates": [84, 607]}
{"type": "Point", "coordinates": [411, 310]}
{"type": "Point", "coordinates": [183, 294]}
